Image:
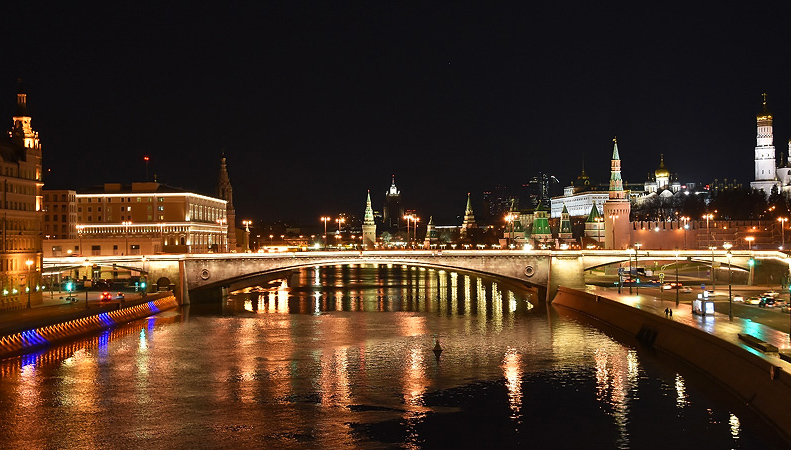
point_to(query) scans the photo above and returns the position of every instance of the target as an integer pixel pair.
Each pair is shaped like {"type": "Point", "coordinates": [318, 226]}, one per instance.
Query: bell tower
{"type": "Point", "coordinates": [765, 165]}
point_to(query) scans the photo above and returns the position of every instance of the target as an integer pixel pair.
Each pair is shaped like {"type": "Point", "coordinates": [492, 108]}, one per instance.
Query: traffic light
{"type": "Point", "coordinates": [751, 262]}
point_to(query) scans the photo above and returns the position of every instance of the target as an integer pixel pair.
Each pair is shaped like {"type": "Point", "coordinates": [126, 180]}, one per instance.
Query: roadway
{"type": "Point", "coordinates": [773, 318]}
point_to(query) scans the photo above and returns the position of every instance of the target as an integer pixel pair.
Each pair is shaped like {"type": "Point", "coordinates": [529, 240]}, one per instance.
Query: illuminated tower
{"type": "Point", "coordinates": [565, 225]}
{"type": "Point", "coordinates": [541, 231]}
{"type": "Point", "coordinates": [431, 234]}
{"type": "Point", "coordinates": [225, 192]}
{"type": "Point", "coordinates": [617, 207]}
{"type": "Point", "coordinates": [594, 226]}
{"type": "Point", "coordinates": [393, 210]}
{"type": "Point", "coordinates": [765, 176]}
{"type": "Point", "coordinates": [369, 227]}
{"type": "Point", "coordinates": [469, 218]}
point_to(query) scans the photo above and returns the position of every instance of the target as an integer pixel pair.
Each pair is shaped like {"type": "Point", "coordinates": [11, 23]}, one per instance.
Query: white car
{"type": "Point", "coordinates": [738, 298]}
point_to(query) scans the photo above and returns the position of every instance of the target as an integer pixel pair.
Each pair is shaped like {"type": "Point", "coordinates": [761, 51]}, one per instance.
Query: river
{"type": "Point", "coordinates": [343, 359]}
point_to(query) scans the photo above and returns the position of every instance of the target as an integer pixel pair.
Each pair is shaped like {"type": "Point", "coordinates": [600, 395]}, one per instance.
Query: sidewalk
{"type": "Point", "coordinates": [53, 307]}
{"type": "Point", "coordinates": [717, 324]}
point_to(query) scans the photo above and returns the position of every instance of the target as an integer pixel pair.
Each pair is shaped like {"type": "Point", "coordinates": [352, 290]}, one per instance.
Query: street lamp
{"type": "Point", "coordinates": [713, 277]}
{"type": "Point", "coordinates": [29, 263]}
{"type": "Point", "coordinates": [85, 264]}
{"type": "Point", "coordinates": [79, 233]}
{"type": "Point", "coordinates": [510, 219]}
{"type": "Point", "coordinates": [677, 277]}
{"type": "Point", "coordinates": [612, 219]}
{"type": "Point", "coordinates": [750, 240]}
{"type": "Point", "coordinates": [222, 221]}
{"type": "Point", "coordinates": [637, 246]}
{"type": "Point", "coordinates": [782, 221]}
{"type": "Point", "coordinates": [409, 217]}
{"type": "Point", "coordinates": [126, 225]}
{"type": "Point", "coordinates": [340, 221]}
{"type": "Point", "coordinates": [727, 246]}
{"type": "Point", "coordinates": [686, 227]}
{"type": "Point", "coordinates": [708, 236]}
{"type": "Point", "coordinates": [325, 220]}
{"type": "Point", "coordinates": [246, 224]}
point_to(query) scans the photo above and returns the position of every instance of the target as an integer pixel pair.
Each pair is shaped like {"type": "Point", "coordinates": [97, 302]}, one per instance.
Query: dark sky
{"type": "Point", "coordinates": [316, 102]}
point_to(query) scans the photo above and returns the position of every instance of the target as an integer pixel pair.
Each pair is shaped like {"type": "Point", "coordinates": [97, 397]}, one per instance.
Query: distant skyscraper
{"type": "Point", "coordinates": [765, 176]}
{"type": "Point", "coordinates": [369, 226]}
{"type": "Point", "coordinates": [469, 218]}
{"type": "Point", "coordinates": [225, 192]}
{"type": "Point", "coordinates": [617, 208]}
{"type": "Point", "coordinates": [393, 209]}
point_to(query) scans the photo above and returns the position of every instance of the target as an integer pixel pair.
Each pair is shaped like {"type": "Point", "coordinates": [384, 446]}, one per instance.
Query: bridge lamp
{"type": "Point", "coordinates": [85, 264]}
{"type": "Point", "coordinates": [782, 221]}
{"type": "Point", "coordinates": [749, 240]}
{"type": "Point", "coordinates": [727, 246]}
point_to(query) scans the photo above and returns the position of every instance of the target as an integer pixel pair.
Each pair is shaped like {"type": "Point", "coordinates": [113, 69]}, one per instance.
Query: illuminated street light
{"type": "Point", "coordinates": [85, 264]}
{"type": "Point", "coordinates": [246, 224]}
{"type": "Point", "coordinates": [79, 233]}
{"type": "Point", "coordinates": [510, 217]}
{"type": "Point", "coordinates": [324, 219]}
{"type": "Point", "coordinates": [782, 221]}
{"type": "Point", "coordinates": [686, 227]}
{"type": "Point", "coordinates": [612, 219]}
{"type": "Point", "coordinates": [637, 246]}
{"type": "Point", "coordinates": [749, 240]}
{"type": "Point", "coordinates": [126, 225]}
{"type": "Point", "coordinates": [677, 301]}
{"type": "Point", "coordinates": [708, 235]}
{"type": "Point", "coordinates": [29, 263]}
{"type": "Point", "coordinates": [713, 277]}
{"type": "Point", "coordinates": [727, 246]}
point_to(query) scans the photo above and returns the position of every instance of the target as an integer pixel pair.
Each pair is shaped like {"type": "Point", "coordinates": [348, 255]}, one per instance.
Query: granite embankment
{"type": "Point", "coordinates": [762, 380]}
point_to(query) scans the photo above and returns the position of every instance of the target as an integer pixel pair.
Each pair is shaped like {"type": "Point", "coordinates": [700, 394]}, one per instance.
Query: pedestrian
{"type": "Point", "coordinates": [666, 312]}
{"type": "Point", "coordinates": [670, 311]}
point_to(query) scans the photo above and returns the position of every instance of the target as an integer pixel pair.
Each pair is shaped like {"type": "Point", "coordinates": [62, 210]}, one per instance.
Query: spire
{"type": "Point", "coordinates": [594, 215]}
{"type": "Point", "coordinates": [469, 205]}
{"type": "Point", "coordinates": [393, 189]}
{"type": "Point", "coordinates": [369, 212]}
{"type": "Point", "coordinates": [616, 182]}
{"type": "Point", "coordinates": [469, 218]}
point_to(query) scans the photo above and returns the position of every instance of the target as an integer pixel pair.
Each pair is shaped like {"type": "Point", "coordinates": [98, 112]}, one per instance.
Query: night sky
{"type": "Point", "coordinates": [316, 102]}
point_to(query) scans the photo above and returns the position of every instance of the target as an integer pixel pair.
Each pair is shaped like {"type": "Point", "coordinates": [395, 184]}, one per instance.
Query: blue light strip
{"type": "Point", "coordinates": [106, 319]}
{"type": "Point", "coordinates": [153, 307]}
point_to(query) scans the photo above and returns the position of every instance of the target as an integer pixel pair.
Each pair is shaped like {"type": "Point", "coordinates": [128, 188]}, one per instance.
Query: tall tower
{"type": "Point", "coordinates": [469, 218]}
{"type": "Point", "coordinates": [594, 226]}
{"type": "Point", "coordinates": [565, 225]}
{"type": "Point", "coordinates": [225, 192]}
{"type": "Point", "coordinates": [393, 210]}
{"type": "Point", "coordinates": [765, 176]}
{"type": "Point", "coordinates": [369, 227]}
{"type": "Point", "coordinates": [617, 207]}
{"type": "Point", "coordinates": [431, 234]}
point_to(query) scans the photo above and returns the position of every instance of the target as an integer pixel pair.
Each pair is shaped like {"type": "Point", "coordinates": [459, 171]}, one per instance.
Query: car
{"type": "Point", "coordinates": [772, 294]}
{"type": "Point", "coordinates": [766, 302]}
{"type": "Point", "coordinates": [753, 300]}
{"type": "Point", "coordinates": [738, 298]}
{"type": "Point", "coordinates": [119, 295]}
{"type": "Point", "coordinates": [105, 297]}
{"type": "Point", "coordinates": [686, 289]}
{"type": "Point", "coordinates": [100, 284]}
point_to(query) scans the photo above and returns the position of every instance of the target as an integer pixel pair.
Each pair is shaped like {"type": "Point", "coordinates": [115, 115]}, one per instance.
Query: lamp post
{"type": "Point", "coordinates": [325, 220]}
{"type": "Point", "coordinates": [782, 221]}
{"type": "Point", "coordinates": [708, 236]}
{"type": "Point", "coordinates": [408, 217]}
{"type": "Point", "coordinates": [637, 246]}
{"type": "Point", "coordinates": [79, 234]}
{"type": "Point", "coordinates": [85, 264]}
{"type": "Point", "coordinates": [749, 240]}
{"type": "Point", "coordinates": [415, 220]}
{"type": "Point", "coordinates": [223, 231]}
{"type": "Point", "coordinates": [713, 277]}
{"type": "Point", "coordinates": [246, 224]}
{"type": "Point", "coordinates": [677, 277]}
{"type": "Point", "coordinates": [612, 220]}
{"type": "Point", "coordinates": [29, 263]}
{"type": "Point", "coordinates": [144, 284]}
{"type": "Point", "coordinates": [509, 218]}
{"type": "Point", "coordinates": [686, 227]}
{"type": "Point", "coordinates": [631, 278]}
{"type": "Point", "coordinates": [727, 246]}
{"type": "Point", "coordinates": [126, 225]}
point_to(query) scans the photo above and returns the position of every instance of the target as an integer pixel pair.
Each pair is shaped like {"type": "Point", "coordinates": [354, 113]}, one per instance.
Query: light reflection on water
{"type": "Point", "coordinates": [343, 359]}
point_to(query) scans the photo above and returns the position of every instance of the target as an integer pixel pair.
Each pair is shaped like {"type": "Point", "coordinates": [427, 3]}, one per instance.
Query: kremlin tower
{"type": "Point", "coordinates": [617, 207]}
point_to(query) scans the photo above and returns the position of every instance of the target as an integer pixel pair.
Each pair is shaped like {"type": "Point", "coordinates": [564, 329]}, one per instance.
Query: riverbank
{"type": "Point", "coordinates": [40, 332]}
{"type": "Point", "coordinates": [710, 343]}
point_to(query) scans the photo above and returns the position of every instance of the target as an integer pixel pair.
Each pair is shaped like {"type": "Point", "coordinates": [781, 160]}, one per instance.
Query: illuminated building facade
{"type": "Point", "coordinates": [20, 172]}
{"type": "Point", "coordinates": [393, 209]}
{"type": "Point", "coordinates": [141, 218]}
{"type": "Point", "coordinates": [765, 166]}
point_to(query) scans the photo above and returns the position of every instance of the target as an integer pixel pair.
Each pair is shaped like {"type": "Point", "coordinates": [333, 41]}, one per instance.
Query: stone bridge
{"type": "Point", "coordinates": [194, 274]}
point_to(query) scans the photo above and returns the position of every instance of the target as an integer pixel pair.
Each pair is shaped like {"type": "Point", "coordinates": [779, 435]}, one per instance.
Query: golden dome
{"type": "Point", "coordinates": [662, 172]}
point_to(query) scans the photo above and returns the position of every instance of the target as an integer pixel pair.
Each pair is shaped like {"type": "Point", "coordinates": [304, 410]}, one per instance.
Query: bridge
{"type": "Point", "coordinates": [193, 274]}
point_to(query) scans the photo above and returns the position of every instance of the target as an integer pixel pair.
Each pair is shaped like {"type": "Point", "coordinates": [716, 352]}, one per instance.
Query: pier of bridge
{"type": "Point", "coordinates": [192, 274]}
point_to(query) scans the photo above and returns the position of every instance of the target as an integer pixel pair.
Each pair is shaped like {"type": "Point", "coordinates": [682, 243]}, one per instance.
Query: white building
{"type": "Point", "coordinates": [765, 175]}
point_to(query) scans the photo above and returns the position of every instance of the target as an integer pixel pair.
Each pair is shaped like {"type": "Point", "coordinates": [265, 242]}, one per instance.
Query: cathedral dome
{"type": "Point", "coordinates": [662, 172]}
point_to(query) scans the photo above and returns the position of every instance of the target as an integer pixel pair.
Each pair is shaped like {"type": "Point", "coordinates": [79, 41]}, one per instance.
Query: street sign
{"type": "Point", "coordinates": [661, 275]}
{"type": "Point", "coordinates": [703, 286]}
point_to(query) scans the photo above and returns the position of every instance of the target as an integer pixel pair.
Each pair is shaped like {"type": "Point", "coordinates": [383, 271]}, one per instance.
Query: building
{"type": "Point", "coordinates": [393, 209]}
{"type": "Point", "coordinates": [469, 219]}
{"type": "Point", "coordinates": [369, 226]}
{"type": "Point", "coordinates": [617, 207]}
{"type": "Point", "coordinates": [141, 218]}
{"type": "Point", "coordinates": [21, 204]}
{"type": "Point", "coordinates": [60, 214]}
{"type": "Point", "coordinates": [225, 192]}
{"type": "Point", "coordinates": [765, 165]}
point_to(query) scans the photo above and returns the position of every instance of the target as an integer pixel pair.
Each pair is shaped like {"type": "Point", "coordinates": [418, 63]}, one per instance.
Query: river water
{"type": "Point", "coordinates": [343, 359]}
